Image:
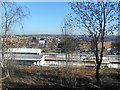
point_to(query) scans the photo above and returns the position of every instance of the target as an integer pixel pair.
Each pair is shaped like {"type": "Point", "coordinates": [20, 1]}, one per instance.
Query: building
{"type": "Point", "coordinates": [42, 40]}
{"type": "Point", "coordinates": [107, 44]}
{"type": "Point", "coordinates": [86, 46]}
{"type": "Point", "coordinates": [25, 56]}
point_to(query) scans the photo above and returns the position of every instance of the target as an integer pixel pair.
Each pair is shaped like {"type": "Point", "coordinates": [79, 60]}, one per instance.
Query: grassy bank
{"type": "Point", "coordinates": [52, 77]}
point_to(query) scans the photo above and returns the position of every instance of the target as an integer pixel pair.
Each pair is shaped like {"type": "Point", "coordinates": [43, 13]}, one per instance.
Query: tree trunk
{"type": "Point", "coordinates": [4, 60]}
{"type": "Point", "coordinates": [97, 74]}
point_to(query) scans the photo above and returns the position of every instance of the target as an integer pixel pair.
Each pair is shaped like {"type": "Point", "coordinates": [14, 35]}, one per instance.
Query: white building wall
{"type": "Point", "coordinates": [42, 62]}
{"type": "Point", "coordinates": [38, 63]}
{"type": "Point", "coordinates": [35, 63]}
{"type": "Point", "coordinates": [113, 65]}
{"type": "Point", "coordinates": [42, 41]}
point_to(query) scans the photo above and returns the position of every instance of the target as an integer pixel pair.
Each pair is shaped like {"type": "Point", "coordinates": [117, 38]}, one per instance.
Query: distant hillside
{"type": "Point", "coordinates": [111, 37]}
{"type": "Point", "coordinates": [108, 37]}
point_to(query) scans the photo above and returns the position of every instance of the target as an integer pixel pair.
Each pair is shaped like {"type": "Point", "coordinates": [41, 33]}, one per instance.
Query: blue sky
{"type": "Point", "coordinates": [44, 18]}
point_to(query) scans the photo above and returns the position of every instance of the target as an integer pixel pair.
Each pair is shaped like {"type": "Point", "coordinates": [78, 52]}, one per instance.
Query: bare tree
{"type": "Point", "coordinates": [11, 14]}
{"type": "Point", "coordinates": [97, 19]}
{"type": "Point", "coordinates": [68, 46]}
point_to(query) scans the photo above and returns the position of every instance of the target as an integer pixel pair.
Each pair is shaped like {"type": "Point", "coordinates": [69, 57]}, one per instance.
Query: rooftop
{"type": "Point", "coordinates": [24, 50]}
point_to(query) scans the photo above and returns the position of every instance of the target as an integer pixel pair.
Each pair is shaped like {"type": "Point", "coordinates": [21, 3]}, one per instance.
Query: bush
{"type": "Point", "coordinates": [44, 50]}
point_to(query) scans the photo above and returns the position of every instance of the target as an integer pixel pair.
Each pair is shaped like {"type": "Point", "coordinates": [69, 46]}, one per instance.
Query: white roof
{"type": "Point", "coordinates": [108, 49]}
{"type": "Point", "coordinates": [24, 50]}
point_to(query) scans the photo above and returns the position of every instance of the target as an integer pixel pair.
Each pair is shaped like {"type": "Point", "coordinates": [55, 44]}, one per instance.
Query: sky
{"type": "Point", "coordinates": [44, 18]}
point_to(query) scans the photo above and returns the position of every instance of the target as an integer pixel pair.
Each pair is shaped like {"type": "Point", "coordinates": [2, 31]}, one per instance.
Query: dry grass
{"type": "Point", "coordinates": [45, 77]}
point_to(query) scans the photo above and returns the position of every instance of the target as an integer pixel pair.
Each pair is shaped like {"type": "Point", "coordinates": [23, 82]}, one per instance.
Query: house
{"type": "Point", "coordinates": [42, 40]}
{"type": "Point", "coordinates": [107, 44]}
{"type": "Point", "coordinates": [25, 56]}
